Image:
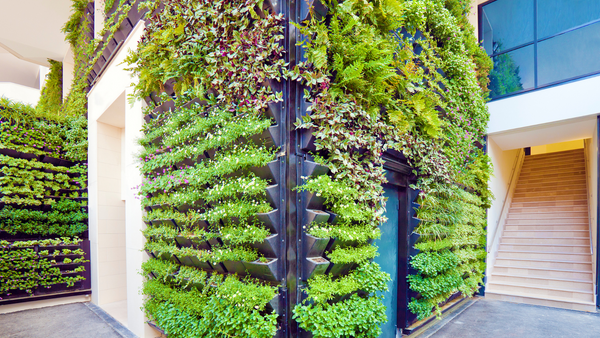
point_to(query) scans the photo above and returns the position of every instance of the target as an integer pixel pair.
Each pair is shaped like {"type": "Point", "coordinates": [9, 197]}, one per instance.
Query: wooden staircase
{"type": "Point", "coordinates": [544, 255]}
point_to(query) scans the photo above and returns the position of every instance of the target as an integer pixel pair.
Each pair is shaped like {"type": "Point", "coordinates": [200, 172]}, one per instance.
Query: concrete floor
{"type": "Point", "coordinates": [77, 320]}
{"type": "Point", "coordinates": [490, 319]}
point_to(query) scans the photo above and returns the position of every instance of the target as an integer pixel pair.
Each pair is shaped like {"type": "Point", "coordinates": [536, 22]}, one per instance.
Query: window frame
{"type": "Point", "coordinates": [535, 42]}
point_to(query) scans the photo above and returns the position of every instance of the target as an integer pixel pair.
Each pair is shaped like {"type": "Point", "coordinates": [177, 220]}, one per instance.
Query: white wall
{"type": "Point", "coordinates": [19, 93]}
{"type": "Point", "coordinates": [114, 87]}
{"type": "Point", "coordinates": [572, 100]}
{"type": "Point", "coordinates": [503, 162]}
{"type": "Point", "coordinates": [110, 271]}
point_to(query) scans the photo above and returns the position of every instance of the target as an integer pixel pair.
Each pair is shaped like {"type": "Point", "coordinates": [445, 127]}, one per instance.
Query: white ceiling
{"type": "Point", "coordinates": [15, 70]}
{"type": "Point", "coordinates": [31, 29]}
{"type": "Point", "coordinates": [568, 130]}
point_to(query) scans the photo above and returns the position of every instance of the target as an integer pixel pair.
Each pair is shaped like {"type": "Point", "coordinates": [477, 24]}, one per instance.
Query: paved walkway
{"type": "Point", "coordinates": [491, 319]}
{"type": "Point", "coordinates": [77, 320]}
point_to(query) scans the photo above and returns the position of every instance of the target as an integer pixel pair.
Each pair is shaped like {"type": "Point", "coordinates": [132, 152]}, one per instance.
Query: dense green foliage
{"type": "Point", "coordinates": [65, 219]}
{"type": "Point", "coordinates": [187, 302]}
{"type": "Point", "coordinates": [374, 87]}
{"type": "Point", "coordinates": [198, 162]}
{"type": "Point", "coordinates": [51, 94]}
{"type": "Point", "coordinates": [24, 268]}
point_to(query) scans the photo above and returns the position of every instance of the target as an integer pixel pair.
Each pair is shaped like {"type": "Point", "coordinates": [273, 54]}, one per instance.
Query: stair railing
{"type": "Point", "coordinates": [512, 184]}
{"type": "Point", "coordinates": [588, 193]}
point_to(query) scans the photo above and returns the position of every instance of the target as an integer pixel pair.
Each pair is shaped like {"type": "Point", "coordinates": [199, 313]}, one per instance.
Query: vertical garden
{"type": "Point", "coordinates": [44, 246]}
{"type": "Point", "coordinates": [238, 92]}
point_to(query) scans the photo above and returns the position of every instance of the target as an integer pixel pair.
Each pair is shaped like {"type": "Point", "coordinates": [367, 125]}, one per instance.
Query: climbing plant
{"type": "Point", "coordinates": [404, 75]}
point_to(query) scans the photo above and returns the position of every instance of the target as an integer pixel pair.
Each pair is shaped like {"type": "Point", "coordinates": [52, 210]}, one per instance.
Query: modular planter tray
{"type": "Point", "coordinates": [314, 246]}
{"type": "Point", "coordinates": [269, 247]}
{"type": "Point", "coordinates": [267, 271]}
{"type": "Point", "coordinates": [316, 216]}
{"type": "Point", "coordinates": [195, 262]}
{"type": "Point", "coordinates": [341, 269]}
{"type": "Point", "coordinates": [314, 266]}
{"type": "Point", "coordinates": [269, 172]}
{"type": "Point", "coordinates": [270, 220]}
{"type": "Point", "coordinates": [235, 267]}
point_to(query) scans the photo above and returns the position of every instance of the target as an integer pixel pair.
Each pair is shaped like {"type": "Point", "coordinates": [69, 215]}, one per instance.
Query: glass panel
{"type": "Point", "coordinates": [569, 55]}
{"type": "Point", "coordinates": [388, 260]}
{"type": "Point", "coordinates": [555, 16]}
{"type": "Point", "coordinates": [512, 72]}
{"type": "Point", "coordinates": [507, 24]}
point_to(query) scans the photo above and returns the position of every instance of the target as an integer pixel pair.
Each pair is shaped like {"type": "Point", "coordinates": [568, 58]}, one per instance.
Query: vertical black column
{"type": "Point", "coordinates": [291, 214]}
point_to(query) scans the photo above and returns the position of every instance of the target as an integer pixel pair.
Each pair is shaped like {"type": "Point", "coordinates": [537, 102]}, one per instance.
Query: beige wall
{"type": "Point", "coordinates": [556, 147]}
{"type": "Point", "coordinates": [112, 280]}
{"type": "Point", "coordinates": [500, 183]}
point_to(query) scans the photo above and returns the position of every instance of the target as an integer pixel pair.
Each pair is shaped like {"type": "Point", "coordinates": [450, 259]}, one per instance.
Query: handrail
{"type": "Point", "coordinates": [510, 183]}
{"type": "Point", "coordinates": [587, 193]}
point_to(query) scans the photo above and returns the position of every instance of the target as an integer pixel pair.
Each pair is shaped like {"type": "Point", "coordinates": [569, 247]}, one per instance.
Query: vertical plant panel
{"type": "Point", "coordinates": [43, 203]}
{"type": "Point", "coordinates": [210, 72]}
{"type": "Point", "coordinates": [391, 75]}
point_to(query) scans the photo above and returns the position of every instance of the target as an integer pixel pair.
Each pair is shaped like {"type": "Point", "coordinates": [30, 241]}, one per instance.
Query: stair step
{"type": "Point", "coordinates": [552, 171]}
{"type": "Point", "coordinates": [580, 202]}
{"type": "Point", "coordinates": [548, 169]}
{"type": "Point", "coordinates": [551, 301]}
{"type": "Point", "coordinates": [543, 210]}
{"type": "Point", "coordinates": [547, 221]}
{"type": "Point", "coordinates": [554, 163]}
{"type": "Point", "coordinates": [586, 296]}
{"type": "Point", "coordinates": [546, 240]}
{"type": "Point", "coordinates": [542, 272]}
{"type": "Point", "coordinates": [550, 193]}
{"type": "Point", "coordinates": [557, 154]}
{"type": "Point", "coordinates": [560, 198]}
{"type": "Point", "coordinates": [545, 215]}
{"type": "Point", "coordinates": [545, 247]}
{"type": "Point", "coordinates": [543, 282]}
{"type": "Point", "coordinates": [548, 227]}
{"type": "Point", "coordinates": [543, 263]}
{"type": "Point", "coordinates": [529, 254]}
{"type": "Point", "coordinates": [546, 233]}
{"type": "Point", "coordinates": [537, 181]}
{"type": "Point", "coordinates": [564, 182]}
{"type": "Point", "coordinates": [548, 189]}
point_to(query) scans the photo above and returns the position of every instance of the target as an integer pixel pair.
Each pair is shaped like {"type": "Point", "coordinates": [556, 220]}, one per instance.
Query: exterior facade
{"type": "Point", "coordinates": [543, 101]}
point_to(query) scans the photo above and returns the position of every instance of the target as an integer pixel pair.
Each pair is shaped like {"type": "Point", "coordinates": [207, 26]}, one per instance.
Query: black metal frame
{"type": "Point", "coordinates": [535, 42]}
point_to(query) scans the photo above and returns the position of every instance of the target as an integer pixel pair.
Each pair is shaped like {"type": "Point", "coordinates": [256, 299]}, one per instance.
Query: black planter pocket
{"type": "Point", "coordinates": [267, 271]}
{"type": "Point", "coordinates": [314, 266]}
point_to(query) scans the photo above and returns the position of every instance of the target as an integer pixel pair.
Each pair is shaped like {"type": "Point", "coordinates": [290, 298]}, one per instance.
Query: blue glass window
{"type": "Point", "coordinates": [555, 16]}
{"type": "Point", "coordinates": [507, 24]}
{"type": "Point", "coordinates": [537, 43]}
{"type": "Point", "coordinates": [512, 72]}
{"type": "Point", "coordinates": [569, 55]}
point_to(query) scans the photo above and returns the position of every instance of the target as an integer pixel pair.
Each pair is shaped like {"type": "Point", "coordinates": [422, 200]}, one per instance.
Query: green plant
{"type": "Point", "coordinates": [51, 95]}
{"type": "Point", "coordinates": [428, 103]}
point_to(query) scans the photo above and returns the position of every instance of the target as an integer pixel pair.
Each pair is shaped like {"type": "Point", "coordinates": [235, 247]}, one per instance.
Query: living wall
{"type": "Point", "coordinates": [377, 76]}
{"type": "Point", "coordinates": [43, 174]}
{"type": "Point", "coordinates": [407, 76]}
{"type": "Point", "coordinates": [43, 202]}
{"type": "Point", "coordinates": [209, 72]}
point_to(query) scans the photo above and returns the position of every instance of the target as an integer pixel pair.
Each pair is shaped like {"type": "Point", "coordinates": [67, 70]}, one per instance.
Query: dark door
{"type": "Point", "coordinates": [388, 259]}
